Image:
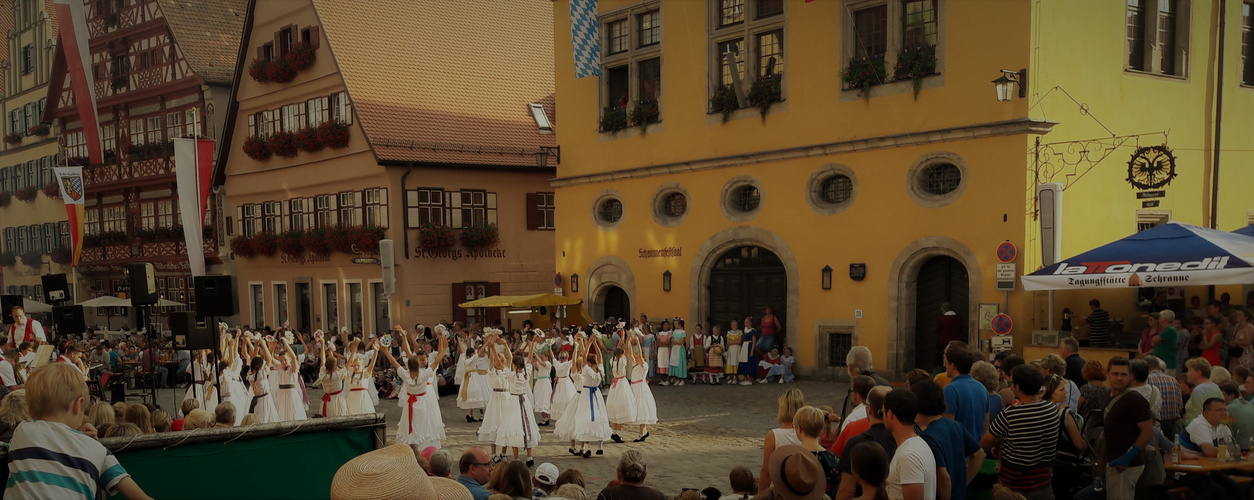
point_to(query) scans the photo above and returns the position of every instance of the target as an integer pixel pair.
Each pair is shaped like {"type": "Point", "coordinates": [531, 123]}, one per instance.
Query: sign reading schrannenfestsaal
{"type": "Point", "coordinates": [661, 253]}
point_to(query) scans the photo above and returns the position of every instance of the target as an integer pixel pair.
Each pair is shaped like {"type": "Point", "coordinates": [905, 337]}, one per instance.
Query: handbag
{"type": "Point", "coordinates": [1235, 352]}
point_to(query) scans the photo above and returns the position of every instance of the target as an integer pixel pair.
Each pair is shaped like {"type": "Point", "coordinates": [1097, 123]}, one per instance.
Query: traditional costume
{"type": "Point", "coordinates": [564, 393]}
{"type": "Point", "coordinates": [421, 422]}
{"type": "Point", "coordinates": [589, 419]}
{"type": "Point", "coordinates": [517, 426]}
{"type": "Point", "coordinates": [334, 399]}
{"type": "Point", "coordinates": [646, 407]}
{"type": "Point", "coordinates": [289, 400]}
{"type": "Point", "coordinates": [474, 391]}
{"type": "Point", "coordinates": [542, 393]}
{"type": "Point", "coordinates": [499, 380]}
{"type": "Point", "coordinates": [620, 406]}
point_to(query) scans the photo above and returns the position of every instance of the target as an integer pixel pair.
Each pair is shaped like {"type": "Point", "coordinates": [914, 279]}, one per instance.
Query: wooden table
{"type": "Point", "coordinates": [1209, 465]}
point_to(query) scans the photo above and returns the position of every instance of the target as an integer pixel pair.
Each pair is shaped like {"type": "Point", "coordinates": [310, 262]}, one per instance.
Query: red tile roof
{"type": "Point", "coordinates": [208, 33]}
{"type": "Point", "coordinates": [446, 81]}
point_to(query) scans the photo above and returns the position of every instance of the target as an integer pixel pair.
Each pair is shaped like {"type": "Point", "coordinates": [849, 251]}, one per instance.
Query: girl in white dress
{"type": "Point", "coordinates": [332, 377]}
{"type": "Point", "coordinates": [421, 423]}
{"type": "Point", "coordinates": [588, 417]}
{"type": "Point", "coordinates": [620, 406]}
{"type": "Point", "coordinates": [203, 389]}
{"type": "Point", "coordinates": [289, 400]}
{"type": "Point", "coordinates": [262, 405]}
{"type": "Point", "coordinates": [565, 427]}
{"type": "Point", "coordinates": [359, 401]}
{"type": "Point", "coordinates": [233, 387]}
{"type": "Point", "coordinates": [475, 388]}
{"type": "Point", "coordinates": [498, 377]}
{"type": "Point", "coordinates": [518, 427]}
{"type": "Point", "coordinates": [663, 343]}
{"type": "Point", "coordinates": [564, 392]}
{"type": "Point", "coordinates": [646, 407]}
{"type": "Point", "coordinates": [542, 393]}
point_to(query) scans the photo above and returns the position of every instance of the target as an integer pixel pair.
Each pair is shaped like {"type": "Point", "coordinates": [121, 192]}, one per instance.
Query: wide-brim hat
{"type": "Point", "coordinates": [391, 473]}
{"type": "Point", "coordinates": [796, 474]}
{"type": "Point", "coordinates": [448, 489]}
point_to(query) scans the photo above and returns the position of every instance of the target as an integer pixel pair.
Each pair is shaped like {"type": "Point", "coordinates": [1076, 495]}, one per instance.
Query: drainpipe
{"type": "Point", "coordinates": [405, 213]}
{"type": "Point", "coordinates": [1219, 110]}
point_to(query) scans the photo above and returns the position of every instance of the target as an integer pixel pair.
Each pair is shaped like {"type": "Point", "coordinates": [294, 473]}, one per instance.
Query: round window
{"type": "Point", "coordinates": [745, 199]}
{"type": "Point", "coordinates": [835, 189]}
{"type": "Point", "coordinates": [674, 205]}
{"type": "Point", "coordinates": [610, 211]}
{"type": "Point", "coordinates": [939, 179]}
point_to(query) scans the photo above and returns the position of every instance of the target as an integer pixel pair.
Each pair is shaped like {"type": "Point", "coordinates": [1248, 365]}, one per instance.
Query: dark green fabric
{"type": "Point", "coordinates": [298, 466]}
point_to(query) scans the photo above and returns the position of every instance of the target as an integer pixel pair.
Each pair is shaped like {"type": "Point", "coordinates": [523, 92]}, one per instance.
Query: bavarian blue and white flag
{"type": "Point", "coordinates": [585, 37]}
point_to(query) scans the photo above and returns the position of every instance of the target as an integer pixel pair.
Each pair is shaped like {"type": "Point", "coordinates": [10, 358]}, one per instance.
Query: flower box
{"type": "Point", "coordinates": [915, 63]}
{"type": "Point", "coordinates": [644, 113]}
{"type": "Point", "coordinates": [32, 258]}
{"type": "Point", "coordinates": [39, 130]}
{"type": "Point", "coordinates": [724, 101]}
{"type": "Point", "coordinates": [318, 241]}
{"type": "Point", "coordinates": [111, 238]}
{"type": "Point", "coordinates": [435, 237]}
{"type": "Point", "coordinates": [27, 194]}
{"type": "Point", "coordinates": [13, 138]}
{"type": "Point", "coordinates": [307, 140]}
{"type": "Point", "coordinates": [333, 134]}
{"type": "Point", "coordinates": [257, 148]}
{"type": "Point", "coordinates": [264, 244]}
{"type": "Point", "coordinates": [62, 255]}
{"type": "Point", "coordinates": [52, 190]}
{"type": "Point", "coordinates": [292, 242]}
{"type": "Point", "coordinates": [285, 68]}
{"type": "Point", "coordinates": [283, 144]}
{"type": "Point", "coordinates": [7, 259]}
{"type": "Point", "coordinates": [764, 92]}
{"type": "Point", "coordinates": [242, 246]}
{"type": "Point", "coordinates": [480, 236]}
{"type": "Point", "coordinates": [863, 72]}
{"type": "Point", "coordinates": [613, 119]}
{"type": "Point", "coordinates": [301, 56]}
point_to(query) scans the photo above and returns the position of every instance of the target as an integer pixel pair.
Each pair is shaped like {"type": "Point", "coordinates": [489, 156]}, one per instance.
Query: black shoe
{"type": "Point", "coordinates": [470, 419]}
{"type": "Point", "coordinates": [641, 438]}
{"type": "Point", "coordinates": [573, 452]}
{"type": "Point", "coordinates": [587, 453]}
{"type": "Point", "coordinates": [616, 438]}
{"type": "Point", "coordinates": [600, 452]}
{"type": "Point", "coordinates": [531, 463]}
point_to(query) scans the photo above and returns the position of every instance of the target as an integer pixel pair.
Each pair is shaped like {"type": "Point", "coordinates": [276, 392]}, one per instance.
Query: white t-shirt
{"type": "Point", "coordinates": [912, 463]}
{"type": "Point", "coordinates": [1154, 396]}
{"type": "Point", "coordinates": [7, 376]}
{"type": "Point", "coordinates": [858, 413]}
{"type": "Point", "coordinates": [1201, 432]}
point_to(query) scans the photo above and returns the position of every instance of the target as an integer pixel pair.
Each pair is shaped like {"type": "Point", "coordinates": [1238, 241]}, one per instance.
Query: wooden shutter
{"type": "Point", "coordinates": [533, 211]}
{"type": "Point", "coordinates": [494, 313]}
{"type": "Point", "coordinates": [459, 296]}
{"type": "Point", "coordinates": [314, 35]}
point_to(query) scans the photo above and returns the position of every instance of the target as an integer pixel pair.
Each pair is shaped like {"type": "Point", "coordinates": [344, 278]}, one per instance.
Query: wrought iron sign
{"type": "Point", "coordinates": [1151, 167]}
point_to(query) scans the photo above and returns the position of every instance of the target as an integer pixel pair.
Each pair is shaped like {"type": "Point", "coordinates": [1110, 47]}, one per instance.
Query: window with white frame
{"type": "Point", "coordinates": [114, 219]}
{"type": "Point", "coordinates": [632, 58]}
{"type": "Point", "coordinates": [545, 210]}
{"type": "Point", "coordinates": [108, 139]}
{"type": "Point", "coordinates": [137, 132]}
{"type": "Point", "coordinates": [293, 117]}
{"type": "Point", "coordinates": [148, 215]}
{"type": "Point", "coordinates": [324, 210]}
{"type": "Point", "coordinates": [300, 214]}
{"type": "Point", "coordinates": [425, 206]}
{"type": "Point", "coordinates": [63, 228]}
{"type": "Point", "coordinates": [167, 213]}
{"type": "Point", "coordinates": [154, 129]}
{"type": "Point", "coordinates": [350, 208]}
{"type": "Point", "coordinates": [174, 125]}
{"type": "Point", "coordinates": [746, 42]}
{"type": "Point", "coordinates": [318, 111]}
{"type": "Point", "coordinates": [91, 224]}
{"type": "Point", "coordinates": [376, 210]}
{"type": "Point", "coordinates": [271, 217]}
{"type": "Point", "coordinates": [469, 208]}
{"type": "Point", "coordinates": [250, 219]}
{"type": "Point", "coordinates": [341, 108]}
{"type": "Point", "coordinates": [189, 123]}
{"type": "Point", "coordinates": [75, 144]}
{"type": "Point", "coordinates": [52, 236]}
{"type": "Point", "coordinates": [1156, 34]}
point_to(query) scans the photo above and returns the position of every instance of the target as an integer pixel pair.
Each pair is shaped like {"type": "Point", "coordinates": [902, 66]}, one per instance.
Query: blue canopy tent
{"type": "Point", "coordinates": [1172, 254]}
{"type": "Point", "coordinates": [1247, 230]}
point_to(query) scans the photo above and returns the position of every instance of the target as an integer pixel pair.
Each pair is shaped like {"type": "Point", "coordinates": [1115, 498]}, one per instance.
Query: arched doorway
{"type": "Point", "coordinates": [744, 281]}
{"type": "Point", "coordinates": [616, 303]}
{"type": "Point", "coordinates": [940, 279]}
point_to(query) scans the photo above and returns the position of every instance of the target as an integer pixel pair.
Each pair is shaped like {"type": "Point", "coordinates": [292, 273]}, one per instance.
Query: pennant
{"type": "Point", "coordinates": [73, 191]}
{"type": "Point", "coordinates": [193, 172]}
{"type": "Point", "coordinates": [72, 24]}
{"type": "Point", "coordinates": [585, 37]}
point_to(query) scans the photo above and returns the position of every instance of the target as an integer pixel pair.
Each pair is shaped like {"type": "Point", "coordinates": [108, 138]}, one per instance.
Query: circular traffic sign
{"type": "Point", "coordinates": [557, 279]}
{"type": "Point", "coordinates": [1002, 324]}
{"type": "Point", "coordinates": [1006, 252]}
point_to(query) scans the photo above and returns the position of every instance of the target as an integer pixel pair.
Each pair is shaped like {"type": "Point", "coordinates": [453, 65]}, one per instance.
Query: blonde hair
{"type": "Point", "coordinates": [809, 421]}
{"type": "Point", "coordinates": [119, 409]}
{"type": "Point", "coordinates": [54, 388]}
{"type": "Point", "coordinates": [161, 421]}
{"type": "Point", "coordinates": [138, 414]}
{"type": "Point", "coordinates": [1200, 365]}
{"type": "Point", "coordinates": [249, 419]}
{"type": "Point", "coordinates": [791, 401]}
{"type": "Point", "coordinates": [225, 413]}
{"type": "Point", "coordinates": [1055, 364]}
{"type": "Point", "coordinates": [571, 491]}
{"type": "Point", "coordinates": [13, 408]}
{"type": "Point", "coordinates": [1219, 375]}
{"type": "Point", "coordinates": [188, 405]}
{"type": "Point", "coordinates": [123, 429]}
{"type": "Point", "coordinates": [198, 419]}
{"type": "Point", "coordinates": [101, 413]}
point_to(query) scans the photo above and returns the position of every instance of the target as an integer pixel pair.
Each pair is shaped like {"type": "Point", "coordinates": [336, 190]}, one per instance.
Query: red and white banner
{"type": "Point", "coordinates": [193, 172]}
{"type": "Point", "coordinates": [72, 24]}
{"type": "Point", "coordinates": [70, 180]}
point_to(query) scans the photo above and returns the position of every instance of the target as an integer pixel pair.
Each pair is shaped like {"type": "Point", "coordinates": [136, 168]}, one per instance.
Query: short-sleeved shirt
{"type": "Point", "coordinates": [852, 430]}
{"type": "Point", "coordinates": [1098, 322]}
{"type": "Point", "coordinates": [1169, 390]}
{"type": "Point", "coordinates": [1201, 393]}
{"type": "Point", "coordinates": [913, 464]}
{"type": "Point", "coordinates": [967, 400]}
{"type": "Point", "coordinates": [51, 460]}
{"type": "Point", "coordinates": [1200, 432]}
{"type": "Point", "coordinates": [7, 375]}
{"type": "Point", "coordinates": [1029, 437]}
{"type": "Point", "coordinates": [951, 445]}
{"type": "Point", "coordinates": [1121, 425]}
{"type": "Point", "coordinates": [1242, 413]}
{"type": "Point", "coordinates": [877, 433]}
{"type": "Point", "coordinates": [1166, 348]}
{"type": "Point", "coordinates": [630, 492]}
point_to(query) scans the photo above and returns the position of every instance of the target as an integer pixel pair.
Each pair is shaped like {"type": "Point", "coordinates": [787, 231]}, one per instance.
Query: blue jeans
{"type": "Point", "coordinates": [164, 372]}
{"type": "Point", "coordinates": [778, 371]}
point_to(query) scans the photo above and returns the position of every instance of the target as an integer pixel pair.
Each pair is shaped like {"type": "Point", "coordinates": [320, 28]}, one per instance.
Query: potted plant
{"type": "Point", "coordinates": [764, 92]}
{"type": "Point", "coordinates": [27, 194]}
{"type": "Point", "coordinates": [40, 130]}
{"type": "Point", "coordinates": [32, 258]}
{"type": "Point", "coordinates": [259, 70]}
{"type": "Point", "coordinates": [52, 190]}
{"type": "Point", "coordinates": [108, 238]}
{"type": "Point", "coordinates": [318, 240]}
{"type": "Point", "coordinates": [280, 71]}
{"type": "Point", "coordinates": [283, 144]}
{"type": "Point", "coordinates": [62, 255]}
{"type": "Point", "coordinates": [435, 237]}
{"type": "Point", "coordinates": [915, 63]}
{"type": "Point", "coordinates": [292, 242]}
{"type": "Point", "coordinates": [265, 244]}
{"type": "Point", "coordinates": [307, 140]}
{"type": "Point", "coordinates": [613, 119]}
{"type": "Point", "coordinates": [7, 259]}
{"type": "Point", "coordinates": [724, 101]}
{"type": "Point", "coordinates": [13, 138]}
{"type": "Point", "coordinates": [480, 236]}
{"type": "Point", "coordinates": [242, 246]}
{"type": "Point", "coordinates": [366, 238]}
{"type": "Point", "coordinates": [863, 72]}
{"type": "Point", "coordinates": [301, 56]}
{"type": "Point", "coordinates": [5, 199]}
{"type": "Point", "coordinates": [257, 148]}
{"type": "Point", "coordinates": [333, 134]}
{"type": "Point", "coordinates": [644, 113]}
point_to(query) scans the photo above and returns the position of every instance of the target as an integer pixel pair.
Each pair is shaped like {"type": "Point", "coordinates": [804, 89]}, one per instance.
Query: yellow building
{"type": "Point", "coordinates": [34, 228]}
{"type": "Point", "coordinates": [870, 192]}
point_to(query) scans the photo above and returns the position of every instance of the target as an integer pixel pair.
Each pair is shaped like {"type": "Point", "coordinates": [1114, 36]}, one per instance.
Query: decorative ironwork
{"type": "Point", "coordinates": [1151, 167]}
{"type": "Point", "coordinates": [746, 199]}
{"type": "Point", "coordinates": [940, 179]}
{"type": "Point", "coordinates": [1068, 162]}
{"type": "Point", "coordinates": [835, 189]}
{"type": "Point", "coordinates": [674, 204]}
{"type": "Point", "coordinates": [610, 211]}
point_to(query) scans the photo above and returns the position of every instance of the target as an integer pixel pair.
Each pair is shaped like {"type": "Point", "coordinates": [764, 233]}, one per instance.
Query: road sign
{"type": "Point", "coordinates": [1002, 324]}
{"type": "Point", "coordinates": [557, 291]}
{"type": "Point", "coordinates": [1006, 271]}
{"type": "Point", "coordinates": [557, 280]}
{"type": "Point", "coordinates": [1006, 252]}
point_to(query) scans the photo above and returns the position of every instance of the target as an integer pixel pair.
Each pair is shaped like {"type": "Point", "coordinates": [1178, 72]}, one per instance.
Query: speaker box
{"type": "Point", "coordinates": [56, 288]}
{"type": "Point", "coordinates": [216, 296]}
{"type": "Point", "coordinates": [189, 335]}
{"type": "Point", "coordinates": [142, 279]}
{"type": "Point", "coordinates": [7, 303]}
{"type": "Point", "coordinates": [68, 320]}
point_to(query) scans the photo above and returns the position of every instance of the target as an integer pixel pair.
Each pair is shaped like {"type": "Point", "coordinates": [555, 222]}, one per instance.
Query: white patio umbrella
{"type": "Point", "coordinates": [105, 301]}
{"type": "Point", "coordinates": [35, 306]}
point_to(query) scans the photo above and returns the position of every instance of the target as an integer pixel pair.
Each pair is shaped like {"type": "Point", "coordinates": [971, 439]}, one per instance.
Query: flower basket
{"type": "Point", "coordinates": [52, 190]}
{"type": "Point", "coordinates": [318, 241]}
{"type": "Point", "coordinates": [764, 92]}
{"type": "Point", "coordinates": [307, 140]}
{"type": "Point", "coordinates": [7, 259]}
{"type": "Point", "coordinates": [257, 148]}
{"type": "Point", "coordinates": [5, 199]}
{"type": "Point", "coordinates": [333, 134]}
{"type": "Point", "coordinates": [301, 56]}
{"type": "Point", "coordinates": [480, 236]}
{"type": "Point", "coordinates": [264, 244]}
{"type": "Point", "coordinates": [259, 70]}
{"type": "Point", "coordinates": [435, 237]}
{"type": "Point", "coordinates": [724, 101]}
{"type": "Point", "coordinates": [27, 194]}
{"type": "Point", "coordinates": [863, 72]}
{"type": "Point", "coordinates": [170, 233]}
{"type": "Point", "coordinates": [32, 258]}
{"type": "Point", "coordinates": [644, 113]}
{"type": "Point", "coordinates": [77, 161]}
{"type": "Point", "coordinates": [13, 138]}
{"type": "Point", "coordinates": [283, 144]}
{"type": "Point", "coordinates": [292, 242]}
{"type": "Point", "coordinates": [613, 119]}
{"type": "Point", "coordinates": [915, 63]}
{"type": "Point", "coordinates": [366, 238]}
{"type": "Point", "coordinates": [39, 130]}
{"type": "Point", "coordinates": [62, 255]}
{"type": "Point", "coordinates": [112, 238]}
{"type": "Point", "coordinates": [242, 246]}
{"type": "Point", "coordinates": [341, 239]}
{"type": "Point", "coordinates": [280, 71]}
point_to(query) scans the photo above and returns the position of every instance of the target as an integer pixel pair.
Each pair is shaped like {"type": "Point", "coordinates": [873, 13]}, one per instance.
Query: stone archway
{"type": "Point", "coordinates": [707, 256]}
{"type": "Point", "coordinates": [606, 275]}
{"type": "Point", "coordinates": [902, 299]}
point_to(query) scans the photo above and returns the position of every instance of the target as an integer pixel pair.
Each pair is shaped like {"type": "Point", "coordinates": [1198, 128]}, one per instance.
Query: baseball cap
{"type": "Point", "coordinates": [546, 474]}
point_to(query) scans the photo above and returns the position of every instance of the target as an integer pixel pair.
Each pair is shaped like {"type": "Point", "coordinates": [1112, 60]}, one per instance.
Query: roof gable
{"type": "Point", "coordinates": [208, 33]}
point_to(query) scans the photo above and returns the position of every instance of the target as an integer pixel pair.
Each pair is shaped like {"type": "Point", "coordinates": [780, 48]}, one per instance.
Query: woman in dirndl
{"type": "Point", "coordinates": [700, 342]}
{"type": "Point", "coordinates": [749, 354]}
{"type": "Point", "coordinates": [420, 424]}
{"type": "Point", "coordinates": [679, 353]}
{"type": "Point", "coordinates": [735, 343]}
{"type": "Point", "coordinates": [663, 343]}
{"type": "Point", "coordinates": [646, 407]}
{"type": "Point", "coordinates": [620, 406]}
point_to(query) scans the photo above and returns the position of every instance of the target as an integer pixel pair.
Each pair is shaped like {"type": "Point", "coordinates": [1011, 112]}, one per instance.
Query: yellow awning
{"type": "Point", "coordinates": [522, 301]}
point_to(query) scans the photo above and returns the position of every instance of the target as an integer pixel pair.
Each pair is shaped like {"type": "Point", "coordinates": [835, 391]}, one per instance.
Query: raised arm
{"type": "Point", "coordinates": [388, 353]}
{"type": "Point", "coordinates": [440, 354]}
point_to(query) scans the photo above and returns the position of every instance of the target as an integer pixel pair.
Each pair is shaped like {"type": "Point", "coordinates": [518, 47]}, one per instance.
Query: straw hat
{"type": "Point", "coordinates": [390, 472]}
{"type": "Point", "coordinates": [448, 489]}
{"type": "Point", "coordinates": [796, 474]}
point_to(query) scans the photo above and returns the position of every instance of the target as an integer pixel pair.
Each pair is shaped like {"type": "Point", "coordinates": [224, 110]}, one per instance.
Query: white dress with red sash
{"type": "Point", "coordinates": [421, 423]}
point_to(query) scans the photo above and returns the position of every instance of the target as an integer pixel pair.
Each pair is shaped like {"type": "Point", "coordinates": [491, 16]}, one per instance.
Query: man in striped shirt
{"type": "Point", "coordinates": [56, 455]}
{"type": "Point", "coordinates": [1099, 324]}
{"type": "Point", "coordinates": [1028, 436]}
